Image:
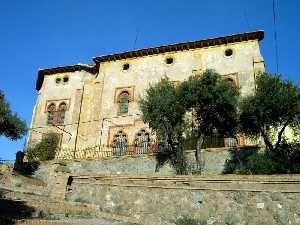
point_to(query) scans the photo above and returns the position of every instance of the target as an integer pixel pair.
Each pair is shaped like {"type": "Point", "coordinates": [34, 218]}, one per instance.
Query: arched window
{"type": "Point", "coordinates": [142, 142]}
{"type": "Point", "coordinates": [119, 143]}
{"type": "Point", "coordinates": [123, 102]}
{"type": "Point", "coordinates": [62, 112]}
{"type": "Point", "coordinates": [50, 115]}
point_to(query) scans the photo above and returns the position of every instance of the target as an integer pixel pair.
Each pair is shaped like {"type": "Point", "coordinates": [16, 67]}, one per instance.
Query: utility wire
{"type": "Point", "coordinates": [275, 36]}
{"type": "Point", "coordinates": [136, 38]}
{"type": "Point", "coordinates": [246, 19]}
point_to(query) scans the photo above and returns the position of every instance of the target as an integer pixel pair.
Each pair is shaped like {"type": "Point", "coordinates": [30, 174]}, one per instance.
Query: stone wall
{"type": "Point", "coordinates": [219, 200]}
{"type": "Point", "coordinates": [130, 165]}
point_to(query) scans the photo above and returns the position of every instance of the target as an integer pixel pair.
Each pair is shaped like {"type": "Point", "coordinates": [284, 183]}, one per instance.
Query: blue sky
{"type": "Point", "coordinates": [41, 34]}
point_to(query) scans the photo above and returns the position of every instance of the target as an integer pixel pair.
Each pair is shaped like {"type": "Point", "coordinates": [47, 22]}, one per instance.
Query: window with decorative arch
{"type": "Point", "coordinates": [142, 141]}
{"type": "Point", "coordinates": [62, 113]}
{"type": "Point", "coordinates": [51, 114]}
{"type": "Point", "coordinates": [123, 102]}
{"type": "Point", "coordinates": [119, 143]}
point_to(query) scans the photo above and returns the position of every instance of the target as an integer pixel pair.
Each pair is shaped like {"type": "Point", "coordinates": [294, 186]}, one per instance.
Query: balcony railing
{"type": "Point", "coordinates": [98, 152]}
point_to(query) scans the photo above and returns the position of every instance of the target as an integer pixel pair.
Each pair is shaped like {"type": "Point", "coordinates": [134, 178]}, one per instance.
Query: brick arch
{"type": "Point", "coordinates": [142, 130]}
{"type": "Point", "coordinates": [142, 141]}
{"type": "Point", "coordinates": [119, 91]}
{"type": "Point", "coordinates": [119, 143]}
{"type": "Point", "coordinates": [120, 133]}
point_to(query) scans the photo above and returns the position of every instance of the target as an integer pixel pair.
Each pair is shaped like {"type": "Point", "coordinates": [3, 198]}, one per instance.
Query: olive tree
{"type": "Point", "coordinates": [213, 102]}
{"type": "Point", "coordinates": [273, 107]}
{"type": "Point", "coordinates": [11, 126]}
{"type": "Point", "coordinates": [162, 110]}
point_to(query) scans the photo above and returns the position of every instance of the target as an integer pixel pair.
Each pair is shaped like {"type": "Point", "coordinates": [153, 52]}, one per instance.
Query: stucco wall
{"type": "Point", "coordinates": [92, 117]}
{"type": "Point", "coordinates": [150, 69]}
{"type": "Point", "coordinates": [51, 92]}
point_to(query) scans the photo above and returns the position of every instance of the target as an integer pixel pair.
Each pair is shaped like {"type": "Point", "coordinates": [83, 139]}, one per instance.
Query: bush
{"type": "Point", "coordinates": [190, 221]}
{"type": "Point", "coordinates": [284, 160]}
{"type": "Point", "coordinates": [260, 163]}
{"type": "Point", "coordinates": [238, 160]}
{"type": "Point", "coordinates": [287, 158]}
{"type": "Point", "coordinates": [25, 168]}
{"type": "Point", "coordinates": [44, 150]}
{"type": "Point", "coordinates": [174, 155]}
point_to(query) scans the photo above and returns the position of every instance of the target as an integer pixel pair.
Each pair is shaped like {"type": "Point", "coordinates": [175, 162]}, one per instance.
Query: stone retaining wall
{"type": "Point", "coordinates": [235, 200]}
{"type": "Point", "coordinates": [129, 165]}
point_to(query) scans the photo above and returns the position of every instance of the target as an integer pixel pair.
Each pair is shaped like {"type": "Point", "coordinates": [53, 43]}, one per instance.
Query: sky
{"type": "Point", "coordinates": [40, 34]}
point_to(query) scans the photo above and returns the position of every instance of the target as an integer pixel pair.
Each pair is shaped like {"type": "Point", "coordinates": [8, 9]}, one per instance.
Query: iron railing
{"type": "Point", "coordinates": [98, 152]}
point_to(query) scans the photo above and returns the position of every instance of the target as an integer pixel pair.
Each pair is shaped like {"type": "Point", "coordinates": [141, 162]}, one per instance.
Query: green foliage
{"type": "Point", "coordinates": [200, 106]}
{"type": "Point", "coordinates": [162, 109]}
{"type": "Point", "coordinates": [287, 157]}
{"type": "Point", "coordinates": [25, 168]}
{"type": "Point", "coordinates": [174, 155]}
{"type": "Point", "coordinates": [249, 161]}
{"type": "Point", "coordinates": [274, 106]}
{"type": "Point", "coordinates": [212, 101]}
{"type": "Point", "coordinates": [44, 150]}
{"type": "Point", "coordinates": [190, 221]}
{"type": "Point", "coordinates": [260, 163]}
{"type": "Point", "coordinates": [238, 159]}
{"type": "Point", "coordinates": [11, 126]}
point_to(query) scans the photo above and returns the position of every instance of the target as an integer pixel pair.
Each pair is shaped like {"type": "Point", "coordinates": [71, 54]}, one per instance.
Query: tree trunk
{"type": "Point", "coordinates": [199, 156]}
{"type": "Point", "coordinates": [267, 141]}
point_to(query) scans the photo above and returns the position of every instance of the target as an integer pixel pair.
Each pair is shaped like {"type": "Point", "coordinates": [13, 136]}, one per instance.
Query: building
{"type": "Point", "coordinates": [94, 110]}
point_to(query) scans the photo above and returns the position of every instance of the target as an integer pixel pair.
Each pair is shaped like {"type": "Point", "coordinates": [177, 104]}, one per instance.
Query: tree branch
{"type": "Point", "coordinates": [266, 139]}
{"type": "Point", "coordinates": [280, 133]}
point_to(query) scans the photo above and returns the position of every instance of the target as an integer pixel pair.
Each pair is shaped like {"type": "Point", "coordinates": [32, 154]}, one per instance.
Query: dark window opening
{"type": "Point", "coordinates": [62, 113]}
{"type": "Point", "coordinates": [58, 80]}
{"type": "Point", "coordinates": [120, 144]}
{"type": "Point", "coordinates": [169, 60]}
{"type": "Point", "coordinates": [123, 103]}
{"type": "Point", "coordinates": [142, 142]}
{"type": "Point", "coordinates": [66, 79]}
{"type": "Point", "coordinates": [125, 66]}
{"type": "Point", "coordinates": [50, 115]}
{"type": "Point", "coordinates": [228, 52]}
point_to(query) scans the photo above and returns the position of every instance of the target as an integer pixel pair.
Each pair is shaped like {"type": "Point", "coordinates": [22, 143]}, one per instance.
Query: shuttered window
{"type": "Point", "coordinates": [123, 104]}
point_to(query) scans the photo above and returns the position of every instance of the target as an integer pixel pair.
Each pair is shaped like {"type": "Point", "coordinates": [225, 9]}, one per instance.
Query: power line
{"type": "Point", "coordinates": [275, 36]}
{"type": "Point", "coordinates": [136, 38]}
{"type": "Point", "coordinates": [246, 19]}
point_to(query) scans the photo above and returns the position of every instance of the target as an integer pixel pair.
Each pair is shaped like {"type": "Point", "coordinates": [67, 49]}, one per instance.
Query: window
{"type": "Point", "coordinates": [66, 79]}
{"type": "Point", "coordinates": [62, 112]}
{"type": "Point", "coordinates": [169, 60]}
{"type": "Point", "coordinates": [142, 142]}
{"type": "Point", "coordinates": [50, 115]}
{"type": "Point", "coordinates": [123, 102]}
{"type": "Point", "coordinates": [125, 66]}
{"type": "Point", "coordinates": [58, 80]}
{"type": "Point", "coordinates": [119, 143]}
{"type": "Point", "coordinates": [228, 52]}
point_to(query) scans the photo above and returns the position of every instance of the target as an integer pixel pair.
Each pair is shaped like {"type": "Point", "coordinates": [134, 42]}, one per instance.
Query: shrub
{"type": "Point", "coordinates": [25, 168]}
{"type": "Point", "coordinates": [44, 150]}
{"type": "Point", "coordinates": [287, 158]}
{"type": "Point", "coordinates": [238, 159]}
{"type": "Point", "coordinates": [190, 221]}
{"type": "Point", "coordinates": [260, 163]}
{"type": "Point", "coordinates": [284, 160]}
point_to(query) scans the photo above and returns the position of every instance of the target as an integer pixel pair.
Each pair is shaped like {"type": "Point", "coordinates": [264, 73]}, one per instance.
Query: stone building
{"type": "Point", "coordinates": [95, 106]}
